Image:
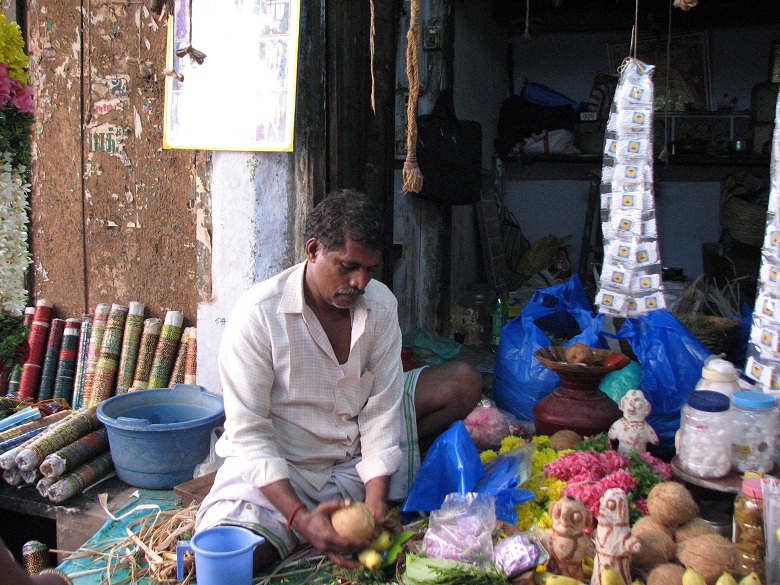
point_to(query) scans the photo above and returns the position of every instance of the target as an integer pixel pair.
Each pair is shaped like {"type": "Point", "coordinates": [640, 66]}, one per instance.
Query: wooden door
{"type": "Point", "coordinates": [113, 214]}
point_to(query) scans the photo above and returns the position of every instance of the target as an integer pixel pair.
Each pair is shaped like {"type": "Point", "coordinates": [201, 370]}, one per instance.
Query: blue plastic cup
{"type": "Point", "coordinates": [223, 555]}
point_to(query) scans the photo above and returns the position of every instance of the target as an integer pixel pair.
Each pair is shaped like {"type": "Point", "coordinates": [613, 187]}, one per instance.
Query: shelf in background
{"type": "Point", "coordinates": [680, 167]}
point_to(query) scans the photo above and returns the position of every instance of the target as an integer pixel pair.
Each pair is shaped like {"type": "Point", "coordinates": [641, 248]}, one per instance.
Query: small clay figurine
{"type": "Point", "coordinates": [631, 430]}
{"type": "Point", "coordinates": [614, 542]}
{"type": "Point", "coordinates": [471, 326]}
{"type": "Point", "coordinates": [567, 542]}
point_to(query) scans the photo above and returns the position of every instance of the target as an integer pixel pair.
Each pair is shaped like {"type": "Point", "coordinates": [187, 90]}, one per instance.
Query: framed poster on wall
{"type": "Point", "coordinates": [231, 75]}
{"type": "Point", "coordinates": [687, 85]}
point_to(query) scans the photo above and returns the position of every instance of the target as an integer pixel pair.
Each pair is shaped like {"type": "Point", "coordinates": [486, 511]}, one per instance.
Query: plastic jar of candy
{"type": "Point", "coordinates": [749, 528]}
{"type": "Point", "coordinates": [704, 448]}
{"type": "Point", "coordinates": [755, 425]}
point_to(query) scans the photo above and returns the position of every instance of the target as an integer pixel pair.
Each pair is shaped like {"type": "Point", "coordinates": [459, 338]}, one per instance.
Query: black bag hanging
{"type": "Point", "coordinates": [449, 153]}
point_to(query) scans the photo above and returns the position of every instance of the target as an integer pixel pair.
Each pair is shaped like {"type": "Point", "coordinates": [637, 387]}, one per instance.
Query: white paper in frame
{"type": "Point", "coordinates": [242, 97]}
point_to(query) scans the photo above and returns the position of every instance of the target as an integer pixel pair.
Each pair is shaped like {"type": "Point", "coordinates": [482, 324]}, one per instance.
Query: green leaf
{"type": "Point", "coordinates": [13, 334]}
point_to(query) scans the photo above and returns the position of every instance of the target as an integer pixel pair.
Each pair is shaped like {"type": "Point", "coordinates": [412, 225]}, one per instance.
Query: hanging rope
{"type": "Point", "coordinates": [633, 43]}
{"type": "Point", "coordinates": [663, 156]}
{"type": "Point", "coordinates": [527, 32]}
{"type": "Point", "coordinates": [412, 176]}
{"type": "Point", "coordinates": [372, 33]}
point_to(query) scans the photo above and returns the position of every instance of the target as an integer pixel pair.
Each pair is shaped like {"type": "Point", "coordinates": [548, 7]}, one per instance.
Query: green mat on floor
{"type": "Point", "coordinates": [91, 570]}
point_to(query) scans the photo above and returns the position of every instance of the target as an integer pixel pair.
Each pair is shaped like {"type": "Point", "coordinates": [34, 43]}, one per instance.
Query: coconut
{"type": "Point", "coordinates": [655, 548]}
{"type": "Point", "coordinates": [694, 527]}
{"type": "Point", "coordinates": [564, 439]}
{"type": "Point", "coordinates": [649, 524]}
{"type": "Point", "coordinates": [671, 503]}
{"type": "Point", "coordinates": [666, 574]}
{"type": "Point", "coordinates": [354, 522]}
{"type": "Point", "coordinates": [710, 555]}
{"type": "Point", "coordinates": [579, 353]}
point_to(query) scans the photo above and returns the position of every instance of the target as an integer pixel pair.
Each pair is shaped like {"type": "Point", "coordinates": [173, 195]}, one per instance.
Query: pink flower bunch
{"type": "Point", "coordinates": [659, 466]}
{"type": "Point", "coordinates": [579, 466]}
{"type": "Point", "coordinates": [5, 84]}
{"type": "Point", "coordinates": [590, 493]}
{"type": "Point", "coordinates": [641, 505]}
{"type": "Point", "coordinates": [18, 95]}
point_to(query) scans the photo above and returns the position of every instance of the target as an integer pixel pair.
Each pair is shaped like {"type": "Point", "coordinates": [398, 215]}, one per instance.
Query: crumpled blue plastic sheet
{"type": "Point", "coordinates": [453, 465]}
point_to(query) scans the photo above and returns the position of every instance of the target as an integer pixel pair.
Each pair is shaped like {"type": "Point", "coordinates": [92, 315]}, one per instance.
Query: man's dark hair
{"type": "Point", "coordinates": [346, 213]}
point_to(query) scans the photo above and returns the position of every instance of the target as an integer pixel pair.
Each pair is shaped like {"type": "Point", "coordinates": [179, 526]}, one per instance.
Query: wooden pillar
{"type": "Point", "coordinates": [426, 248]}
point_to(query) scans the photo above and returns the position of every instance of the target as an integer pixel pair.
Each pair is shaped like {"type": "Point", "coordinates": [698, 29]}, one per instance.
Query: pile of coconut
{"type": "Point", "coordinates": [674, 536]}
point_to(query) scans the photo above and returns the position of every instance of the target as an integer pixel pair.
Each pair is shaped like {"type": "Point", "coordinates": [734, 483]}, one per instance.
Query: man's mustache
{"type": "Point", "coordinates": [351, 291]}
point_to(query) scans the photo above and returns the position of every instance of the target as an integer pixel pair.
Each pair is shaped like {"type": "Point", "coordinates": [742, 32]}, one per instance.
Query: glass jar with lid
{"type": "Point", "coordinates": [755, 419]}
{"type": "Point", "coordinates": [704, 446]}
{"type": "Point", "coordinates": [749, 528]}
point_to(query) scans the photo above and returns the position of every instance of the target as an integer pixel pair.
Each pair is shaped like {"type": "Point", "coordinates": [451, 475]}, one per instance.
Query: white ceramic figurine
{"type": "Point", "coordinates": [632, 431]}
{"type": "Point", "coordinates": [614, 542]}
{"type": "Point", "coordinates": [567, 542]}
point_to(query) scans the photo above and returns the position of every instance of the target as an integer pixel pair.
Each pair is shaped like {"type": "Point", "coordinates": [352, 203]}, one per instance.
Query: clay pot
{"type": "Point", "coordinates": [577, 404]}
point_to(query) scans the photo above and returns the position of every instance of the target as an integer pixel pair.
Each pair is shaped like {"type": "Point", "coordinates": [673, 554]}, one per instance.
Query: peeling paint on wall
{"type": "Point", "coordinates": [109, 138]}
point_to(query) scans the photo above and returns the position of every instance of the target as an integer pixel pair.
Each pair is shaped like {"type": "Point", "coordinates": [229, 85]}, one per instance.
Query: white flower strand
{"type": "Point", "coordinates": [14, 252]}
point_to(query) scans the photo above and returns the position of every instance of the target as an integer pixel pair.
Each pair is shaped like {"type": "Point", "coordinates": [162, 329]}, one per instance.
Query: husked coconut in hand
{"type": "Point", "coordinates": [579, 353]}
{"type": "Point", "coordinates": [354, 522]}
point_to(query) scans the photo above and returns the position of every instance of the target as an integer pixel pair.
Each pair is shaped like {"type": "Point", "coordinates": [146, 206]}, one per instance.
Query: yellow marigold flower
{"type": "Point", "coordinates": [12, 50]}
{"type": "Point", "coordinates": [527, 513]}
{"type": "Point", "coordinates": [487, 455]}
{"type": "Point", "coordinates": [553, 488]}
{"type": "Point", "coordinates": [544, 521]}
{"type": "Point", "coordinates": [541, 440]}
{"type": "Point", "coordinates": [511, 442]}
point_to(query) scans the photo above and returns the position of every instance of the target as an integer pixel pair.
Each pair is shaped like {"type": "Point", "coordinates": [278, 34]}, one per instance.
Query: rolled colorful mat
{"type": "Point", "coordinates": [66, 368]}
{"type": "Point", "coordinates": [46, 421]}
{"type": "Point", "coordinates": [36, 556]}
{"type": "Point", "coordinates": [81, 478]}
{"type": "Point", "coordinates": [149, 339]}
{"type": "Point", "coordinates": [108, 360]}
{"type": "Point", "coordinates": [20, 439]}
{"type": "Point", "coordinates": [177, 373]}
{"type": "Point", "coordinates": [191, 364]}
{"type": "Point", "coordinates": [71, 429]}
{"type": "Point", "coordinates": [51, 359]}
{"type": "Point", "coordinates": [74, 454]}
{"type": "Point", "coordinates": [131, 340]}
{"type": "Point", "coordinates": [81, 362]}
{"type": "Point", "coordinates": [43, 485]}
{"type": "Point", "coordinates": [36, 346]}
{"type": "Point", "coordinates": [30, 476]}
{"type": "Point", "coordinates": [93, 354]}
{"type": "Point", "coordinates": [165, 352]}
{"type": "Point", "coordinates": [13, 381]}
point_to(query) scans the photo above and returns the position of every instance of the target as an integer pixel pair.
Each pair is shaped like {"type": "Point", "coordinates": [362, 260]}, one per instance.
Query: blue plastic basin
{"type": "Point", "coordinates": [158, 436]}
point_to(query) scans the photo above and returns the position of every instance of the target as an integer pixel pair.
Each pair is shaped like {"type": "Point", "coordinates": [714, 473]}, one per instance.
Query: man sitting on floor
{"type": "Point", "coordinates": [318, 411]}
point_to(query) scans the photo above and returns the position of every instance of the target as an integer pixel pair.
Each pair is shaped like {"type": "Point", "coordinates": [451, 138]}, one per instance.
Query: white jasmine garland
{"type": "Point", "coordinates": [14, 251]}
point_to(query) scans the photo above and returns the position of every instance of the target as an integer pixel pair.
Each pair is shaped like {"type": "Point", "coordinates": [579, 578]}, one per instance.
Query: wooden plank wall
{"type": "Point", "coordinates": [113, 214]}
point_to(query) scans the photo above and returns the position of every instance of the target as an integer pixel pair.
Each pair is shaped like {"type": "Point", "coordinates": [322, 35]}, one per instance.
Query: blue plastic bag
{"type": "Point", "coordinates": [451, 465]}
{"type": "Point", "coordinates": [500, 481]}
{"type": "Point", "coordinates": [672, 359]}
{"type": "Point", "coordinates": [563, 311]}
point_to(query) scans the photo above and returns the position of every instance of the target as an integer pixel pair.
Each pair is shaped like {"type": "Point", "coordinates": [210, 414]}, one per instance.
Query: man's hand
{"type": "Point", "coordinates": [315, 527]}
